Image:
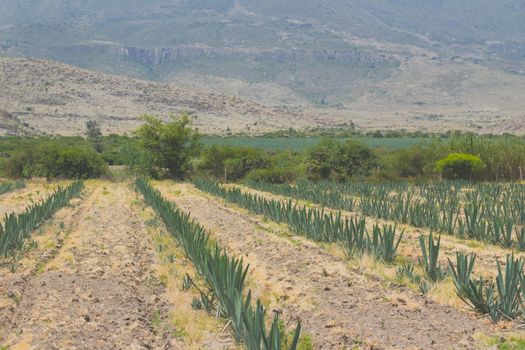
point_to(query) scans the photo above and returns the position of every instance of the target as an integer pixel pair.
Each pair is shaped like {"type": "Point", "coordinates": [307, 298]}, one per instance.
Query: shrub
{"type": "Point", "coordinates": [22, 163]}
{"type": "Point", "coordinates": [233, 163]}
{"type": "Point", "coordinates": [72, 163]}
{"type": "Point", "coordinates": [54, 160]}
{"type": "Point", "coordinates": [460, 166]}
{"type": "Point", "coordinates": [273, 175]}
{"type": "Point", "coordinates": [417, 161]}
{"type": "Point", "coordinates": [339, 161]}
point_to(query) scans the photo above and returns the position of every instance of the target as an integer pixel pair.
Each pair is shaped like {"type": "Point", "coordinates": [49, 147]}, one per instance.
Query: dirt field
{"type": "Point", "coordinates": [105, 275]}
{"type": "Point", "coordinates": [339, 306]}
{"type": "Point", "coordinates": [98, 291]}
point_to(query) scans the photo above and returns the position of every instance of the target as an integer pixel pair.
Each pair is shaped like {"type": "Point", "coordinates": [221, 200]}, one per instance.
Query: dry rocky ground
{"type": "Point", "coordinates": [38, 95]}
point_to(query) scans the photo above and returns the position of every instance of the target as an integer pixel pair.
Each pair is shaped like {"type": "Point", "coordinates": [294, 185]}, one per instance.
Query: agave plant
{"type": "Point", "coordinates": [520, 238]}
{"type": "Point", "coordinates": [310, 222]}
{"type": "Point", "coordinates": [463, 270]}
{"type": "Point", "coordinates": [225, 276]}
{"type": "Point", "coordinates": [476, 213]}
{"type": "Point", "coordinates": [503, 299]}
{"type": "Point", "coordinates": [11, 186]}
{"type": "Point", "coordinates": [384, 243]}
{"type": "Point", "coordinates": [17, 228]}
{"type": "Point", "coordinates": [429, 260]}
{"type": "Point", "coordinates": [406, 270]}
{"type": "Point", "coordinates": [508, 286]}
{"type": "Point", "coordinates": [355, 237]}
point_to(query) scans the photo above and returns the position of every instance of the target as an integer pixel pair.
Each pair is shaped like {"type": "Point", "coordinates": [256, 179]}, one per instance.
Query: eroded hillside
{"type": "Point", "coordinates": [44, 96]}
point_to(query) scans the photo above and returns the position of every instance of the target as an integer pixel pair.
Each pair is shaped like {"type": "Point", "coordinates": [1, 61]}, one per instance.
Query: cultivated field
{"type": "Point", "coordinates": [303, 143]}
{"type": "Point", "coordinates": [107, 264]}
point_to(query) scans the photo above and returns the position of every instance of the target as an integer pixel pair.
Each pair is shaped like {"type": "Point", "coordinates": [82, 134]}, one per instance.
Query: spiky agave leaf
{"type": "Point", "coordinates": [225, 276]}
{"type": "Point", "coordinates": [429, 259]}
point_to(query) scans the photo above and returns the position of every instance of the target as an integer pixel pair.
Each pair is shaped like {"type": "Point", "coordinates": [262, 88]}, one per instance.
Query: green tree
{"type": "Point", "coordinates": [333, 160]}
{"type": "Point", "coordinates": [169, 146]}
{"type": "Point", "coordinates": [321, 159]}
{"type": "Point", "coordinates": [460, 166]}
{"type": "Point", "coordinates": [93, 129]}
{"type": "Point", "coordinates": [94, 134]}
{"type": "Point", "coordinates": [232, 163]}
{"type": "Point", "coordinates": [418, 161]}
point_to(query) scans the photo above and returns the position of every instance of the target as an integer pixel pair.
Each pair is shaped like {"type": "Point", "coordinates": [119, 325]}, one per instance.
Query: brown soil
{"type": "Point", "coordinates": [16, 201]}
{"type": "Point", "coordinates": [98, 291]}
{"type": "Point", "coordinates": [197, 329]}
{"type": "Point", "coordinates": [339, 306]}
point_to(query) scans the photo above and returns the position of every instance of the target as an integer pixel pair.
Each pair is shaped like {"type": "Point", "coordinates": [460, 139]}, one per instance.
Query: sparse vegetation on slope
{"type": "Point", "coordinates": [389, 61]}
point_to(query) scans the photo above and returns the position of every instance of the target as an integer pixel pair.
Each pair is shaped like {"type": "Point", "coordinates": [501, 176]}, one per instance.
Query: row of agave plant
{"type": "Point", "coordinates": [382, 243]}
{"type": "Point", "coordinates": [11, 186]}
{"type": "Point", "coordinates": [315, 224]}
{"type": "Point", "coordinates": [224, 276]}
{"type": "Point", "coordinates": [487, 212]}
{"type": "Point", "coordinates": [503, 299]}
{"type": "Point", "coordinates": [320, 194]}
{"type": "Point", "coordinates": [17, 228]}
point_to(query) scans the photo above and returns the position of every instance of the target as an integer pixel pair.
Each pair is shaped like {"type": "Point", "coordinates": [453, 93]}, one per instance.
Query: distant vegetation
{"type": "Point", "coordinates": [301, 143]}
{"type": "Point", "coordinates": [175, 150]}
{"type": "Point", "coordinates": [300, 140]}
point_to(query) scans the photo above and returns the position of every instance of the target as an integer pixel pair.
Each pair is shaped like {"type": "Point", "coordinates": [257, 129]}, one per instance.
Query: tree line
{"type": "Point", "coordinates": [174, 149]}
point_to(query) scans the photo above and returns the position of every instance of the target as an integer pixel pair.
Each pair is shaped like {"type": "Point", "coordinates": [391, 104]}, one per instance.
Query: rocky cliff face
{"type": "Point", "coordinates": [328, 53]}
{"type": "Point", "coordinates": [155, 56]}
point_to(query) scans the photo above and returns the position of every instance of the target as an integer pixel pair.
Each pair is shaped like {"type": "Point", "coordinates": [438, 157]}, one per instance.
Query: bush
{"type": "Point", "coordinates": [460, 166]}
{"type": "Point", "coordinates": [340, 161]}
{"type": "Point", "coordinates": [73, 163]}
{"type": "Point", "coordinates": [272, 175]}
{"type": "Point", "coordinates": [417, 161]}
{"type": "Point", "coordinates": [54, 160]}
{"type": "Point", "coordinates": [232, 163]}
{"type": "Point", "coordinates": [22, 163]}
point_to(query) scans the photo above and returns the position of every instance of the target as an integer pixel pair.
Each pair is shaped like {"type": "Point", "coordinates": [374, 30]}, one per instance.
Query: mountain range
{"type": "Point", "coordinates": [427, 64]}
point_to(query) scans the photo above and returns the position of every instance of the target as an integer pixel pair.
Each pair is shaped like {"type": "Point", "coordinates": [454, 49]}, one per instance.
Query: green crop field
{"type": "Point", "coordinates": [302, 143]}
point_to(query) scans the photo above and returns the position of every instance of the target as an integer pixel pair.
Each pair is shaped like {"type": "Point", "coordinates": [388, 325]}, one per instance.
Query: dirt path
{"type": "Point", "coordinates": [338, 306]}
{"type": "Point", "coordinates": [99, 292]}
